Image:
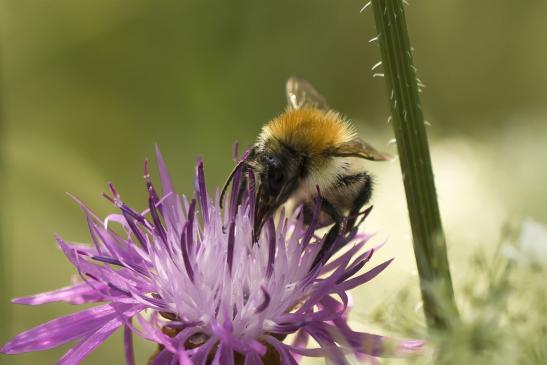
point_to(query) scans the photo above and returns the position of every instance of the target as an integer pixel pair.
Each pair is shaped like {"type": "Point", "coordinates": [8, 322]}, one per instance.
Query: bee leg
{"type": "Point", "coordinates": [326, 249]}
{"type": "Point", "coordinates": [330, 209]}
{"type": "Point", "coordinates": [331, 214]}
{"type": "Point", "coordinates": [361, 184]}
{"type": "Point", "coordinates": [331, 239]}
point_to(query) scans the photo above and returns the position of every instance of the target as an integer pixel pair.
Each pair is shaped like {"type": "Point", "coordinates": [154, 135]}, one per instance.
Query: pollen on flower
{"type": "Point", "coordinates": [186, 275]}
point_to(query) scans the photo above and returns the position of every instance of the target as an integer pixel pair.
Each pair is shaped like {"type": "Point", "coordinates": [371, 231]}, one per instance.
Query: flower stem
{"type": "Point", "coordinates": [410, 133]}
{"type": "Point", "coordinates": [4, 294]}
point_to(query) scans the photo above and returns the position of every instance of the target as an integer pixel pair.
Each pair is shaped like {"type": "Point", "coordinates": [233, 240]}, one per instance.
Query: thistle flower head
{"type": "Point", "coordinates": [185, 274]}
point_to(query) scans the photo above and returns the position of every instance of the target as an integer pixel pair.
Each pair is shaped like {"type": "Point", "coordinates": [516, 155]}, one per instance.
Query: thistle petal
{"type": "Point", "coordinates": [75, 294]}
{"type": "Point", "coordinates": [62, 330]}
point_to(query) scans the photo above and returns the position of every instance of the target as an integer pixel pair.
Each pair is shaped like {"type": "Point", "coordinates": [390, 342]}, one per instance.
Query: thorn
{"type": "Point", "coordinates": [378, 75]}
{"type": "Point", "coordinates": [391, 142]}
{"type": "Point", "coordinates": [375, 38]}
{"type": "Point", "coordinates": [366, 6]}
{"type": "Point", "coordinates": [376, 65]}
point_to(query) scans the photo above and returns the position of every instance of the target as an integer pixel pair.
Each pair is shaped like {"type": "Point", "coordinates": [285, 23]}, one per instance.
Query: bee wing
{"type": "Point", "coordinates": [361, 149]}
{"type": "Point", "coordinates": [301, 93]}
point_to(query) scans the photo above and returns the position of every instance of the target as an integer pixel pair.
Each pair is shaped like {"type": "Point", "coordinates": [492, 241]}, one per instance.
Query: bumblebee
{"type": "Point", "coordinates": [309, 148]}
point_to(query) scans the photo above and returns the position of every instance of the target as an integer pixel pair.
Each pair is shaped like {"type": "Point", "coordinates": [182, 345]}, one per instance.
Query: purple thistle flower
{"type": "Point", "coordinates": [186, 275]}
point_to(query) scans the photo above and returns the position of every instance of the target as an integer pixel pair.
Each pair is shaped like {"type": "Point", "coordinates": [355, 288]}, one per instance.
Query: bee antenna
{"type": "Point", "coordinates": [229, 180]}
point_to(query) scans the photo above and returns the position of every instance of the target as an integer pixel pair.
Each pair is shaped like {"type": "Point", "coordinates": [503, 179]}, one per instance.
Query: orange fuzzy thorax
{"type": "Point", "coordinates": [310, 130]}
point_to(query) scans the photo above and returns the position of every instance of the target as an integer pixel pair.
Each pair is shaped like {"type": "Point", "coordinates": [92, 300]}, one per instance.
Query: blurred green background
{"type": "Point", "coordinates": [87, 88]}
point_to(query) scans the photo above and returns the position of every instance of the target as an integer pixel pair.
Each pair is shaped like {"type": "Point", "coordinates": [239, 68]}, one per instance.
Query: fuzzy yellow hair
{"type": "Point", "coordinates": [309, 130]}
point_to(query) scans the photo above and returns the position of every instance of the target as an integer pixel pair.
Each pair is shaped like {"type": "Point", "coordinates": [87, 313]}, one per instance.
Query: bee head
{"type": "Point", "coordinates": [278, 169]}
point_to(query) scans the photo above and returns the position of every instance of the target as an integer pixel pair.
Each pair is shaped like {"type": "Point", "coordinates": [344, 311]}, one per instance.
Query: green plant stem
{"type": "Point", "coordinates": [409, 127]}
{"type": "Point", "coordinates": [5, 318]}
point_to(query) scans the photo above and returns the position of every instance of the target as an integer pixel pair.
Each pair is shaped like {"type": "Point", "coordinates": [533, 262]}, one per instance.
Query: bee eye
{"type": "Point", "coordinates": [276, 178]}
{"type": "Point", "coordinates": [275, 175]}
